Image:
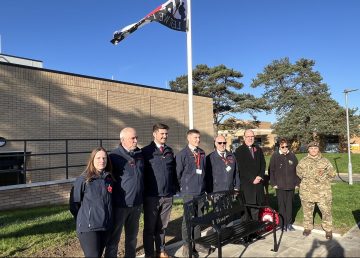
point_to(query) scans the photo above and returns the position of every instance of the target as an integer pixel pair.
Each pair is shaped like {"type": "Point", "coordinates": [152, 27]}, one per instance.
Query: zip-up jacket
{"type": "Point", "coordinates": [95, 196]}
{"type": "Point", "coordinates": [159, 172]}
{"type": "Point", "coordinates": [128, 170]}
{"type": "Point", "coordinates": [191, 182]}
{"type": "Point", "coordinates": [223, 172]}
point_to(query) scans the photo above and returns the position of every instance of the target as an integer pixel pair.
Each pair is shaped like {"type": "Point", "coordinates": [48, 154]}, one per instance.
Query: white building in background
{"type": "Point", "coordinates": [20, 61]}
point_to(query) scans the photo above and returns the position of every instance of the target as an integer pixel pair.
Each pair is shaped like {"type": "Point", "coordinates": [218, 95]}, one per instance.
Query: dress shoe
{"type": "Point", "coordinates": [290, 228]}
{"type": "Point", "coordinates": [306, 232]}
{"type": "Point", "coordinates": [328, 235]}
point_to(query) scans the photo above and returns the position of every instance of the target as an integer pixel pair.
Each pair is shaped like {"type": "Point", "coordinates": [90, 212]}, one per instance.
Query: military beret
{"type": "Point", "coordinates": [313, 144]}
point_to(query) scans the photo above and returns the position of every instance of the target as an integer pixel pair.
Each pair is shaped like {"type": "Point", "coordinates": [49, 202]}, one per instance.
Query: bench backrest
{"type": "Point", "coordinates": [222, 207]}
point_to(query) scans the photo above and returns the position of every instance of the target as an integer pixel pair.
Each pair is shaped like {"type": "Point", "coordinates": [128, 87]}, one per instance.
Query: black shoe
{"type": "Point", "coordinates": [328, 235]}
{"type": "Point", "coordinates": [290, 228]}
{"type": "Point", "coordinates": [306, 232]}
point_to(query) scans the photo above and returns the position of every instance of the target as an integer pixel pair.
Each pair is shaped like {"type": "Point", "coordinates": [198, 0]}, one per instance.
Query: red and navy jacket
{"type": "Point", "coordinates": [159, 172]}
{"type": "Point", "coordinates": [188, 168]}
{"type": "Point", "coordinates": [95, 197]}
{"type": "Point", "coordinates": [128, 171]}
{"type": "Point", "coordinates": [223, 172]}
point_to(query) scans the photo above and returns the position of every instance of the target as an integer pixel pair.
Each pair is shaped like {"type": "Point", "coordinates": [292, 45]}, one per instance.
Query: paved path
{"type": "Point", "coordinates": [345, 177]}
{"type": "Point", "coordinates": [292, 244]}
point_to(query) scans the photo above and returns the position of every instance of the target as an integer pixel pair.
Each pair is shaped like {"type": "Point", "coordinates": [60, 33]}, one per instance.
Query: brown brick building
{"type": "Point", "coordinates": [37, 103]}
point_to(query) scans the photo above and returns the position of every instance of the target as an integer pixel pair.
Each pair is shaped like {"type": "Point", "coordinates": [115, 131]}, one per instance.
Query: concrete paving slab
{"type": "Point", "coordinates": [291, 244]}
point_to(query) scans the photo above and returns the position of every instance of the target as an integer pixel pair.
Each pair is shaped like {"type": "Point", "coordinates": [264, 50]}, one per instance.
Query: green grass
{"type": "Point", "coordinates": [27, 232]}
{"type": "Point", "coordinates": [339, 161]}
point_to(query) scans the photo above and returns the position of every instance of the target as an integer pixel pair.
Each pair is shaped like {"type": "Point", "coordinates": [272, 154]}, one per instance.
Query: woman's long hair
{"type": "Point", "coordinates": [90, 171]}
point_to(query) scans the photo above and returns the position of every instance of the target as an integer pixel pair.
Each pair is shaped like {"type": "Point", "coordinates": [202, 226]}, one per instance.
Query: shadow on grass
{"type": "Point", "coordinates": [337, 168]}
{"type": "Point", "coordinates": [14, 216]}
{"type": "Point", "coordinates": [66, 226]}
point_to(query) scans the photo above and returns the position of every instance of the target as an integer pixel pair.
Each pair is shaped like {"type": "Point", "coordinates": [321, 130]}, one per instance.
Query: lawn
{"type": "Point", "coordinates": [48, 231]}
{"type": "Point", "coordinates": [339, 161]}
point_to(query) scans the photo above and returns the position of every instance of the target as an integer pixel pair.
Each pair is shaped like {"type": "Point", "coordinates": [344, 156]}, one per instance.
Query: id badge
{"type": "Point", "coordinates": [228, 168]}
{"type": "Point", "coordinates": [198, 171]}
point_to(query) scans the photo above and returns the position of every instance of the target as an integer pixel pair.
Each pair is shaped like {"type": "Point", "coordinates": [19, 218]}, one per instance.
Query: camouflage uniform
{"type": "Point", "coordinates": [316, 174]}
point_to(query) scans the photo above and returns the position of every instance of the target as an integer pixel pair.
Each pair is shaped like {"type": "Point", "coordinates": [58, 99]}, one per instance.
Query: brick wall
{"type": "Point", "coordinates": [36, 194]}
{"type": "Point", "coordinates": [38, 103]}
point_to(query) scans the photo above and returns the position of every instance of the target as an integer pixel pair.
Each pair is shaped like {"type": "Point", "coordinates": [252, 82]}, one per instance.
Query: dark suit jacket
{"type": "Point", "coordinates": [249, 168]}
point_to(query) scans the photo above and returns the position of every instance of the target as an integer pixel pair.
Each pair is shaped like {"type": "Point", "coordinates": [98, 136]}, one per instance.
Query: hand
{"type": "Point", "coordinates": [296, 187]}
{"type": "Point", "coordinates": [275, 187]}
{"type": "Point", "coordinates": [257, 180]}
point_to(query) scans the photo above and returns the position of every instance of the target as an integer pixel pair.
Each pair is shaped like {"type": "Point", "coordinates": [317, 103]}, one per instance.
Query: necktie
{"type": "Point", "coordinates": [251, 151]}
{"type": "Point", "coordinates": [161, 149]}
{"type": "Point", "coordinates": [222, 155]}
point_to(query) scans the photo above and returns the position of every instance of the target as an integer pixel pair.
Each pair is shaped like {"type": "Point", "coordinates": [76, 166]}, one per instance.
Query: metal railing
{"type": "Point", "coordinates": [25, 153]}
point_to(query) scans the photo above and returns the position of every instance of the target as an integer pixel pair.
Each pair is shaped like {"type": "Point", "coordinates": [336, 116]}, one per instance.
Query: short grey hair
{"type": "Point", "coordinates": [124, 131]}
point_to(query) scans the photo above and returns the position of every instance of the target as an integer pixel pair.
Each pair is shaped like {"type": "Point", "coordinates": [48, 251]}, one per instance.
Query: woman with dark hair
{"type": "Point", "coordinates": [283, 179]}
{"type": "Point", "coordinates": [93, 191]}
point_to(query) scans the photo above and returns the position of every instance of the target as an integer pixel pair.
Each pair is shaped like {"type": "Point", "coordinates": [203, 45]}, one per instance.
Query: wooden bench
{"type": "Point", "coordinates": [227, 215]}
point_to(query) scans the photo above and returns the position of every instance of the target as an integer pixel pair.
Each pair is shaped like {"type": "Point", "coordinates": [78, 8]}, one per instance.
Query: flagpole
{"type": "Point", "coordinates": [189, 65]}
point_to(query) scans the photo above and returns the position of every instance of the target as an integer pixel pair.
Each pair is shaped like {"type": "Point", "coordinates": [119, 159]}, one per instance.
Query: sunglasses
{"type": "Point", "coordinates": [283, 147]}
{"type": "Point", "coordinates": [221, 142]}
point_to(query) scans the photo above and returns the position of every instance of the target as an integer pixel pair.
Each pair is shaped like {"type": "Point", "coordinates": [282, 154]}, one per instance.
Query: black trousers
{"type": "Point", "coordinates": [93, 243]}
{"type": "Point", "coordinates": [156, 218]}
{"type": "Point", "coordinates": [129, 219]}
{"type": "Point", "coordinates": [285, 202]}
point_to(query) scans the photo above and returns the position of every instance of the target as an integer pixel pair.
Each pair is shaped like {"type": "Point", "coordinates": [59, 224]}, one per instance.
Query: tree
{"type": "Point", "coordinates": [221, 84]}
{"type": "Point", "coordinates": [302, 103]}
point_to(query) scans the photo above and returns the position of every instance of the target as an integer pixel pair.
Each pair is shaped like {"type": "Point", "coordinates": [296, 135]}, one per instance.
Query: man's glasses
{"type": "Point", "coordinates": [283, 147]}
{"type": "Point", "coordinates": [221, 142]}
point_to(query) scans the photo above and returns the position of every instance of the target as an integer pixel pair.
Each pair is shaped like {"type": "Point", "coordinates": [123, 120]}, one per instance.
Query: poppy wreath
{"type": "Point", "coordinates": [266, 214]}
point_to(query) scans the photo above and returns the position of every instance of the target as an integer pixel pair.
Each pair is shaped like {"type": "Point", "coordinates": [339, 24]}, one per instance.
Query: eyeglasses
{"type": "Point", "coordinates": [221, 142]}
{"type": "Point", "coordinates": [283, 147]}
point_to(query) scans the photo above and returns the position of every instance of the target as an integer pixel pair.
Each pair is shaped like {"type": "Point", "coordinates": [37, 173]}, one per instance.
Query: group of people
{"type": "Point", "coordinates": [116, 188]}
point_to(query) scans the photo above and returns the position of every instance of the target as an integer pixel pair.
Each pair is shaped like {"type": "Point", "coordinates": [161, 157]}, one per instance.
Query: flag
{"type": "Point", "coordinates": [172, 14]}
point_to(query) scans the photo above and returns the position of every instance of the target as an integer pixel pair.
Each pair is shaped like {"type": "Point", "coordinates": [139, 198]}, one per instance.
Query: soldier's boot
{"type": "Point", "coordinates": [328, 235]}
{"type": "Point", "coordinates": [306, 232]}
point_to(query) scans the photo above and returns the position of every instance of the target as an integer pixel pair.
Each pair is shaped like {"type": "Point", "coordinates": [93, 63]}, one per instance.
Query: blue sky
{"type": "Point", "coordinates": [246, 35]}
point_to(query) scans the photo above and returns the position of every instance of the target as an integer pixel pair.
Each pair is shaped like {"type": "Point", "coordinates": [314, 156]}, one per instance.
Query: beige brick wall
{"type": "Point", "coordinates": [37, 194]}
{"type": "Point", "coordinates": [37, 103]}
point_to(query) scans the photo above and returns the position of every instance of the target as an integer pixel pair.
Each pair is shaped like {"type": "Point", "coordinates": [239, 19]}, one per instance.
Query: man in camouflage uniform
{"type": "Point", "coordinates": [316, 173]}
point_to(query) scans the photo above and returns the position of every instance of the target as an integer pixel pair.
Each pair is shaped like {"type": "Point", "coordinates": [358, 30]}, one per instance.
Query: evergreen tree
{"type": "Point", "coordinates": [222, 85]}
{"type": "Point", "coordinates": [302, 102]}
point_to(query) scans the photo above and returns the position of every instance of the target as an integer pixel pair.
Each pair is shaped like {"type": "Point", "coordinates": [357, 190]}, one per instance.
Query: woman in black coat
{"type": "Point", "coordinates": [284, 180]}
{"type": "Point", "coordinates": [93, 192]}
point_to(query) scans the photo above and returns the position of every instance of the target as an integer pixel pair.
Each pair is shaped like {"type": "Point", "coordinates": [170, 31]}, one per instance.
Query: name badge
{"type": "Point", "coordinates": [228, 168]}
{"type": "Point", "coordinates": [198, 171]}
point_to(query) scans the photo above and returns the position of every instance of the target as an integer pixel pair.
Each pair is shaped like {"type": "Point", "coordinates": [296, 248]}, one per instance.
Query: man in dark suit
{"type": "Point", "coordinates": [251, 165]}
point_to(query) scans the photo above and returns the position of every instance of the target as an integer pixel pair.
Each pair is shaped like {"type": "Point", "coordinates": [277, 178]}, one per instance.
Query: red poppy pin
{"type": "Point", "coordinates": [254, 149]}
{"type": "Point", "coordinates": [109, 189]}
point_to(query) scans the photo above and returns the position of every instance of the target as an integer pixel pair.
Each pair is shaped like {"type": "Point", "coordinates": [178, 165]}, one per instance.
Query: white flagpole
{"type": "Point", "coordinates": [189, 66]}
